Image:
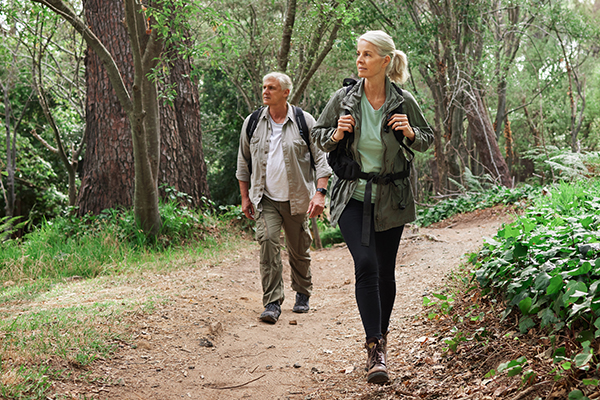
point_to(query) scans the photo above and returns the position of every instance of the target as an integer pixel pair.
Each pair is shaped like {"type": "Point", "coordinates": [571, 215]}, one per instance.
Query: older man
{"type": "Point", "coordinates": [277, 168]}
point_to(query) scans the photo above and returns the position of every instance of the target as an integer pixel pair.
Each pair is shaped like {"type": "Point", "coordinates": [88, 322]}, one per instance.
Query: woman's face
{"type": "Point", "coordinates": [368, 62]}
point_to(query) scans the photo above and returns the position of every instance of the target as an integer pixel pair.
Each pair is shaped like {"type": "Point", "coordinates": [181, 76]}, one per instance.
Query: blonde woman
{"type": "Point", "coordinates": [373, 207]}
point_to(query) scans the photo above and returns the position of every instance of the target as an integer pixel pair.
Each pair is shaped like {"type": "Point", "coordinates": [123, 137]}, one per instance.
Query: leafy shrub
{"type": "Point", "coordinates": [547, 262]}
{"type": "Point", "coordinates": [472, 201]}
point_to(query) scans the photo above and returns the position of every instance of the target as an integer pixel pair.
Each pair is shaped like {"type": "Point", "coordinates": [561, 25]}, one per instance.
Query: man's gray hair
{"type": "Point", "coordinates": [284, 80]}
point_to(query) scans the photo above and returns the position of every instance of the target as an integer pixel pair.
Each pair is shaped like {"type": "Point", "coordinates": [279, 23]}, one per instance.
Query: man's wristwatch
{"type": "Point", "coordinates": [322, 190]}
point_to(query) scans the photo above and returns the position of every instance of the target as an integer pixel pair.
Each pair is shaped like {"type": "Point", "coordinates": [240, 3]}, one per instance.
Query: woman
{"type": "Point", "coordinates": [372, 212]}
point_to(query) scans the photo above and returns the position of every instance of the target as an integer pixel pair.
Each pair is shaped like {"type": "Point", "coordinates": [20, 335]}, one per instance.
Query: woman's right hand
{"type": "Point", "coordinates": [345, 124]}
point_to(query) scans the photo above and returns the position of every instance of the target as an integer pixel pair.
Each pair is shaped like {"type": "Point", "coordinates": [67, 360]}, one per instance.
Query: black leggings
{"type": "Point", "coordinates": [374, 268]}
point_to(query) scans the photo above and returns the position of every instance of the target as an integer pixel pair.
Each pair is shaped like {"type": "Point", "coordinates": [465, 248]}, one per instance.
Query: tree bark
{"type": "Point", "coordinates": [182, 164]}
{"type": "Point", "coordinates": [107, 170]}
{"type": "Point", "coordinates": [283, 55]}
{"type": "Point", "coordinates": [107, 179]}
{"type": "Point", "coordinates": [484, 137]}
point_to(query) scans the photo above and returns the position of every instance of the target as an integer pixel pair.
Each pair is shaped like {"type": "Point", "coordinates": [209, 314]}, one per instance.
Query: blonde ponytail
{"type": "Point", "coordinates": [397, 70]}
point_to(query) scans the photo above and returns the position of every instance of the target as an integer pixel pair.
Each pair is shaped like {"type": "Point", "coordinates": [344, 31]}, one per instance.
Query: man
{"type": "Point", "coordinates": [277, 184]}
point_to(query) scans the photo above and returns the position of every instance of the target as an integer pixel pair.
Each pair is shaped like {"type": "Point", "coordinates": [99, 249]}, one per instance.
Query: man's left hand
{"type": "Point", "coordinates": [317, 205]}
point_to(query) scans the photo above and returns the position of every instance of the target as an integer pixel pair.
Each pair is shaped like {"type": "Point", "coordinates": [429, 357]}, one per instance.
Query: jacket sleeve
{"type": "Point", "coordinates": [243, 172]}
{"type": "Point", "coordinates": [327, 123]}
{"type": "Point", "coordinates": [423, 132]}
{"type": "Point", "coordinates": [322, 168]}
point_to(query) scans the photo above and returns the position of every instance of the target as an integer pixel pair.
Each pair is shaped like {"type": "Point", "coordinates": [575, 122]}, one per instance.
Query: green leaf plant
{"type": "Point", "coordinates": [546, 264]}
{"type": "Point", "coordinates": [545, 267]}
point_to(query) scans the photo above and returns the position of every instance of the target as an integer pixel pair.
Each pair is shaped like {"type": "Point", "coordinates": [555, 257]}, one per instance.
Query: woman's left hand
{"type": "Point", "coordinates": [400, 122]}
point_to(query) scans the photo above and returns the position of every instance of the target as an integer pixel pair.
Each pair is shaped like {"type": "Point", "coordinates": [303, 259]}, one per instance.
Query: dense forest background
{"type": "Point", "coordinates": [509, 87]}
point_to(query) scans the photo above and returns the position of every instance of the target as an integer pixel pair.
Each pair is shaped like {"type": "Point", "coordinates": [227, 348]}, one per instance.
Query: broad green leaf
{"type": "Point", "coordinates": [490, 374]}
{"type": "Point", "coordinates": [525, 324]}
{"type": "Point", "coordinates": [591, 382]}
{"type": "Point", "coordinates": [584, 269]}
{"type": "Point", "coordinates": [511, 231]}
{"type": "Point", "coordinates": [577, 395]}
{"type": "Point", "coordinates": [547, 317]}
{"type": "Point", "coordinates": [555, 285]}
{"type": "Point", "coordinates": [525, 305]}
{"type": "Point", "coordinates": [542, 281]}
{"type": "Point", "coordinates": [583, 358]}
{"type": "Point", "coordinates": [520, 250]}
{"type": "Point", "coordinates": [587, 221]}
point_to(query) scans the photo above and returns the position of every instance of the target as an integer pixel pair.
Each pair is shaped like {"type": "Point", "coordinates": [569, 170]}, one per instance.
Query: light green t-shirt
{"type": "Point", "coordinates": [370, 147]}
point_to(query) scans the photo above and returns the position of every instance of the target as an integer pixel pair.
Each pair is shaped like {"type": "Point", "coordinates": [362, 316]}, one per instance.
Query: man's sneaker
{"type": "Point", "coordinates": [271, 313]}
{"type": "Point", "coordinates": [301, 305]}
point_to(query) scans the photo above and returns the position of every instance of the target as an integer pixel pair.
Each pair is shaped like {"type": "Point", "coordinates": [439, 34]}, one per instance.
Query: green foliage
{"type": "Point", "coordinates": [472, 201]}
{"type": "Point", "coordinates": [329, 235]}
{"type": "Point", "coordinates": [555, 163]}
{"type": "Point", "coordinates": [547, 263]}
{"type": "Point", "coordinates": [223, 112]}
{"type": "Point", "coordinates": [102, 244]}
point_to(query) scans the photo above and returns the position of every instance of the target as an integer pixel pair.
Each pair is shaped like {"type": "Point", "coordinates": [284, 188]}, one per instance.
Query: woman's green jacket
{"type": "Point", "coordinates": [394, 202]}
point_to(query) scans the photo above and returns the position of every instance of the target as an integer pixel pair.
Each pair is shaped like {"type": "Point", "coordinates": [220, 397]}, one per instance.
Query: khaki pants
{"type": "Point", "coordinates": [298, 238]}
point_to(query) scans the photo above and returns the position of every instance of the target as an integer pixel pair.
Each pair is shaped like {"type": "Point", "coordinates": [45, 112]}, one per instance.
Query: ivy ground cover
{"type": "Point", "coordinates": [546, 264]}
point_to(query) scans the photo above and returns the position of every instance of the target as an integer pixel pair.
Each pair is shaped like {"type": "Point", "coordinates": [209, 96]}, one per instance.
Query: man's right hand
{"type": "Point", "coordinates": [247, 207]}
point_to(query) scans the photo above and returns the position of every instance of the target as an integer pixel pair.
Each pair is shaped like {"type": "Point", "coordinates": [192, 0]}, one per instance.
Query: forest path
{"type": "Point", "coordinates": [206, 341]}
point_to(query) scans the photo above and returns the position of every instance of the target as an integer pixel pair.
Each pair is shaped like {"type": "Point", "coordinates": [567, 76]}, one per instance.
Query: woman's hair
{"type": "Point", "coordinates": [397, 69]}
{"type": "Point", "coordinates": [284, 80]}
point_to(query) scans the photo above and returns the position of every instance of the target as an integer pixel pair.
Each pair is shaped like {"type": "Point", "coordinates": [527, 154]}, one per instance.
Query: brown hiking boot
{"type": "Point", "coordinates": [384, 345]}
{"type": "Point", "coordinates": [376, 369]}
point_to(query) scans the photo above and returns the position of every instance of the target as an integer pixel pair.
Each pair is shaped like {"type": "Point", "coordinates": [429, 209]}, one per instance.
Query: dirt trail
{"type": "Point", "coordinates": [207, 341]}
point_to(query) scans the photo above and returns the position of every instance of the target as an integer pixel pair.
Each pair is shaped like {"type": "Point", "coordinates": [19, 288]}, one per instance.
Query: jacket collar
{"type": "Point", "coordinates": [289, 116]}
{"type": "Point", "coordinates": [351, 100]}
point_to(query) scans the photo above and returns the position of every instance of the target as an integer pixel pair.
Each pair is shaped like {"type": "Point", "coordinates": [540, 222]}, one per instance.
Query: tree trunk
{"type": "Point", "coordinates": [182, 164]}
{"type": "Point", "coordinates": [11, 155]}
{"type": "Point", "coordinates": [107, 178]}
{"type": "Point", "coordinates": [283, 55]}
{"type": "Point", "coordinates": [484, 137]}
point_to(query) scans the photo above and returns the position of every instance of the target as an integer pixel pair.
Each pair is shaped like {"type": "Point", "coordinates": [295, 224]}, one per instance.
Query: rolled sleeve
{"type": "Point", "coordinates": [327, 123]}
{"type": "Point", "coordinates": [322, 169]}
{"type": "Point", "coordinates": [242, 172]}
{"type": "Point", "coordinates": [423, 132]}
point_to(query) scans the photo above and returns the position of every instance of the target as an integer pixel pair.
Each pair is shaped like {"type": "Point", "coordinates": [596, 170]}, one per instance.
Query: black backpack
{"type": "Point", "coordinates": [300, 120]}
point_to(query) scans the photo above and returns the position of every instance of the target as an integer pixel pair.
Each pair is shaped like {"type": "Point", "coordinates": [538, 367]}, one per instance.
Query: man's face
{"type": "Point", "coordinates": [272, 93]}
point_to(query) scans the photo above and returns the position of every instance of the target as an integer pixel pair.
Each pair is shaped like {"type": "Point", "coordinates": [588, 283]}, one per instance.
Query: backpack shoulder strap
{"type": "Point", "coordinates": [301, 121]}
{"type": "Point", "coordinates": [398, 134]}
{"type": "Point", "coordinates": [251, 127]}
{"type": "Point", "coordinates": [349, 83]}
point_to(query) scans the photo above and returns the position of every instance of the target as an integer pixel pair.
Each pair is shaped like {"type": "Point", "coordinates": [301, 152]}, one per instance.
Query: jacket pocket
{"type": "Point", "coordinates": [301, 150]}
{"type": "Point", "coordinates": [400, 194]}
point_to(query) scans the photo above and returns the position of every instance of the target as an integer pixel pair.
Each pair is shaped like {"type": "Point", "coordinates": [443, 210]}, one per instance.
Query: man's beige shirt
{"type": "Point", "coordinates": [302, 177]}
